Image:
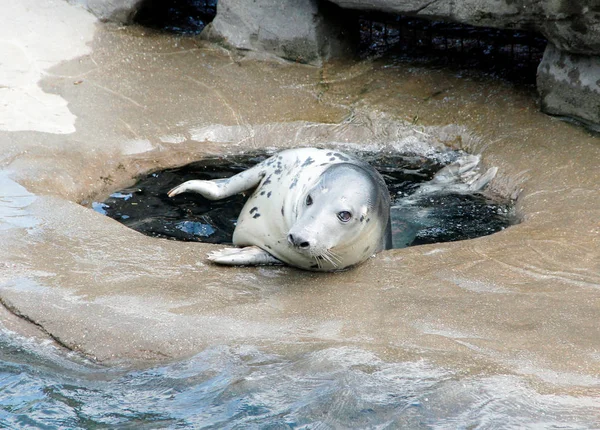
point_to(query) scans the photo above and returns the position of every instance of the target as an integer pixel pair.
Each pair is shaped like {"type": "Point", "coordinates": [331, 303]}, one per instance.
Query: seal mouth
{"type": "Point", "coordinates": [322, 256]}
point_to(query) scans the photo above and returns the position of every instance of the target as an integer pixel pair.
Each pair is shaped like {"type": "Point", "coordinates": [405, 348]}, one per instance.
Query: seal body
{"type": "Point", "coordinates": [316, 209]}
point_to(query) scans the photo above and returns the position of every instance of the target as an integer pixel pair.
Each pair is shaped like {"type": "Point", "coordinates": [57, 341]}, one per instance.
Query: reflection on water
{"type": "Point", "coordinates": [242, 387]}
{"type": "Point", "coordinates": [14, 200]}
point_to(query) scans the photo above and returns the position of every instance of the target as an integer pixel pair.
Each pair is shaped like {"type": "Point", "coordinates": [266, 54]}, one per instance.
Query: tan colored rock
{"type": "Point", "coordinates": [524, 301]}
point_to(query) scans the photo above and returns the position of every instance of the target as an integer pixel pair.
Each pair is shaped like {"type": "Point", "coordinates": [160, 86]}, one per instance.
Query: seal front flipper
{"type": "Point", "coordinates": [247, 256]}
{"type": "Point", "coordinates": [222, 188]}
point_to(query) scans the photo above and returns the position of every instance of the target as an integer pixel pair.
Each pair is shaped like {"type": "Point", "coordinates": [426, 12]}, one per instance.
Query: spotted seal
{"type": "Point", "coordinates": [315, 209]}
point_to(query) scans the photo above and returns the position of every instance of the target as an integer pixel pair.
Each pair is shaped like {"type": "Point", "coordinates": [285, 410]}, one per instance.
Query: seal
{"type": "Point", "coordinates": [315, 209]}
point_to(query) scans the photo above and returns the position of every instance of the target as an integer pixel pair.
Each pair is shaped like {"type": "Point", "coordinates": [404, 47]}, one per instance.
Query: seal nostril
{"type": "Point", "coordinates": [297, 241]}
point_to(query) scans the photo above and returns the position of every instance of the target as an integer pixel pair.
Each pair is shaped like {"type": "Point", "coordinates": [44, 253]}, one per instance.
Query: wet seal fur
{"type": "Point", "coordinates": [315, 209]}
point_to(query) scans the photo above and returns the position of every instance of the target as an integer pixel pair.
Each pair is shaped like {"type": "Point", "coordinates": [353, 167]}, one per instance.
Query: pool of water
{"type": "Point", "coordinates": [431, 218]}
{"type": "Point", "coordinates": [244, 387]}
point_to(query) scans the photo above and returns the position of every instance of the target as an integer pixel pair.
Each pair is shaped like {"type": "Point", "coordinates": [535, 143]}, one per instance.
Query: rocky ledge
{"type": "Point", "coordinates": [311, 31]}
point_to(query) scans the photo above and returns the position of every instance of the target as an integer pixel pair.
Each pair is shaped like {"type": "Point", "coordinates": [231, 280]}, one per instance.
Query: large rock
{"type": "Point", "coordinates": [569, 85]}
{"type": "Point", "coordinates": [485, 13]}
{"type": "Point", "coordinates": [572, 25]}
{"type": "Point", "coordinates": [120, 11]}
{"type": "Point", "coordinates": [297, 30]}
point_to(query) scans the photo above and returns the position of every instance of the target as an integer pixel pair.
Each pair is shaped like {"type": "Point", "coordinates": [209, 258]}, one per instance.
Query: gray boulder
{"type": "Point", "coordinates": [297, 30]}
{"type": "Point", "coordinates": [569, 85]}
{"type": "Point", "coordinates": [484, 13]}
{"type": "Point", "coordinates": [571, 25]}
{"type": "Point", "coordinates": [120, 11]}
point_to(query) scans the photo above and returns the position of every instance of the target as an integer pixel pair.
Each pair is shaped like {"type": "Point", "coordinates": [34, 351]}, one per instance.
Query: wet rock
{"type": "Point", "coordinates": [570, 25]}
{"type": "Point", "coordinates": [500, 14]}
{"type": "Point", "coordinates": [120, 11]}
{"type": "Point", "coordinates": [523, 302]}
{"type": "Point", "coordinates": [569, 85]}
{"type": "Point", "coordinates": [265, 25]}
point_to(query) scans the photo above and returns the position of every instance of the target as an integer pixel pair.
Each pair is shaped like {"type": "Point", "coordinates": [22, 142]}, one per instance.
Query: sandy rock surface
{"type": "Point", "coordinates": [524, 301]}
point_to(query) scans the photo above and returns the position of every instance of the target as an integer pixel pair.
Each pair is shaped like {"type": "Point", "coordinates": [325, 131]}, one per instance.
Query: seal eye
{"type": "Point", "coordinates": [309, 200]}
{"type": "Point", "coordinates": [344, 216]}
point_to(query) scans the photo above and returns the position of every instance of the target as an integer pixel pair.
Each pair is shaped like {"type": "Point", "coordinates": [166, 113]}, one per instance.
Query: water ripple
{"type": "Point", "coordinates": [243, 387]}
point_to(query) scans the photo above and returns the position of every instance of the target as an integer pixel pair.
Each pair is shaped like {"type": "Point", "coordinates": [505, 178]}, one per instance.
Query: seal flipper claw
{"type": "Point", "coordinates": [247, 256]}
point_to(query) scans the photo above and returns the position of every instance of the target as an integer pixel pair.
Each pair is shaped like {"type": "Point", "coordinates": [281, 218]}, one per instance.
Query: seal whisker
{"type": "Point", "coordinates": [318, 262]}
{"type": "Point", "coordinates": [334, 256]}
{"type": "Point", "coordinates": [326, 258]}
{"type": "Point", "coordinates": [330, 259]}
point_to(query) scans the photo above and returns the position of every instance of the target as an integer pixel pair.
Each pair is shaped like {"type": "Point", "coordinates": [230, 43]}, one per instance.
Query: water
{"type": "Point", "coordinates": [431, 218]}
{"type": "Point", "coordinates": [244, 387]}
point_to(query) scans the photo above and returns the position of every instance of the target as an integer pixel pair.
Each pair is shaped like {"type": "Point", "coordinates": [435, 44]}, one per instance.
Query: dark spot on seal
{"type": "Point", "coordinates": [323, 164]}
{"type": "Point", "coordinates": [332, 159]}
{"type": "Point", "coordinates": [282, 211]}
{"type": "Point", "coordinates": [368, 219]}
{"type": "Point", "coordinates": [329, 154]}
{"type": "Point", "coordinates": [256, 215]}
{"type": "Point", "coordinates": [308, 162]}
{"type": "Point", "coordinates": [277, 172]}
{"type": "Point", "coordinates": [267, 246]}
{"type": "Point", "coordinates": [269, 194]}
{"type": "Point", "coordinates": [341, 156]}
{"type": "Point", "coordinates": [366, 249]}
{"type": "Point", "coordinates": [294, 182]}
{"type": "Point", "coordinates": [262, 193]}
{"type": "Point", "coordinates": [362, 218]}
{"type": "Point", "coordinates": [268, 180]}
{"type": "Point", "coordinates": [254, 209]}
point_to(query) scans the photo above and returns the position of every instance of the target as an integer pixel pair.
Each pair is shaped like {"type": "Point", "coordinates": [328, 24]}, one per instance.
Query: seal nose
{"type": "Point", "coordinates": [298, 241]}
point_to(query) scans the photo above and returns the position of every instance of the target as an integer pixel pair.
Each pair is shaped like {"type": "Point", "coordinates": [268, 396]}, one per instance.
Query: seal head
{"type": "Point", "coordinates": [343, 218]}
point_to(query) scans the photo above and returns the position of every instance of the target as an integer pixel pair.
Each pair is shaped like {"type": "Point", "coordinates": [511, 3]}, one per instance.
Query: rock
{"type": "Point", "coordinates": [485, 13]}
{"type": "Point", "coordinates": [309, 31]}
{"type": "Point", "coordinates": [568, 78]}
{"type": "Point", "coordinates": [121, 11]}
{"type": "Point", "coordinates": [569, 85]}
{"type": "Point", "coordinates": [572, 26]}
{"type": "Point", "coordinates": [265, 25]}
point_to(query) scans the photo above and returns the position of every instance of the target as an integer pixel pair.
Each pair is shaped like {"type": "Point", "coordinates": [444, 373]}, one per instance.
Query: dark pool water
{"type": "Point", "coordinates": [431, 218]}
{"type": "Point", "coordinates": [243, 387]}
